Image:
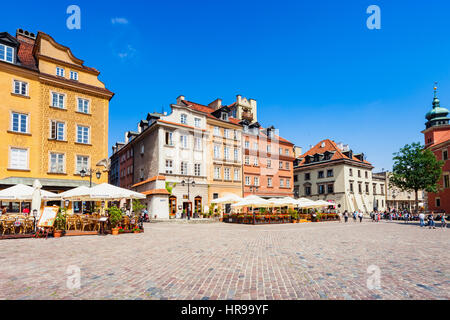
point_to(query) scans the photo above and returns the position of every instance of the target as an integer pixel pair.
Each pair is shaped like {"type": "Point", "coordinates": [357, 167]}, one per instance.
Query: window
{"type": "Point", "coordinates": [58, 100]}
{"type": "Point", "coordinates": [321, 189]}
{"type": "Point", "coordinates": [445, 155]}
{"type": "Point", "coordinates": [256, 181]}
{"type": "Point", "coordinates": [359, 188]}
{"type": "Point", "coordinates": [236, 154]}
{"type": "Point", "coordinates": [281, 165]}
{"type": "Point", "coordinates": [18, 159]}
{"type": "Point", "coordinates": [226, 153]}
{"type": "Point", "coordinates": [446, 181]}
{"type": "Point", "coordinates": [60, 71]}
{"type": "Point", "coordinates": [235, 135]}
{"type": "Point", "coordinates": [287, 165]}
{"type": "Point", "coordinates": [74, 75]}
{"type": "Point", "coordinates": [366, 174]}
{"type": "Point", "coordinates": [6, 53]}
{"type": "Point", "coordinates": [19, 122]}
{"type": "Point", "coordinates": [197, 122]}
{"type": "Point", "coordinates": [224, 116]}
{"type": "Point", "coordinates": [198, 143]}
{"type": "Point", "coordinates": [320, 174]}
{"type": "Point", "coordinates": [330, 173]}
{"type": "Point", "coordinates": [141, 174]}
{"type": "Point", "coordinates": [197, 170]}
{"type": "Point", "coordinates": [255, 161]}
{"type": "Point", "coordinates": [183, 167]}
{"type": "Point", "coordinates": [367, 188]}
{"type": "Point", "coordinates": [82, 163]}
{"type": "Point", "coordinates": [183, 119]}
{"type": "Point", "coordinates": [438, 202]}
{"type": "Point", "coordinates": [216, 131]}
{"type": "Point", "coordinates": [247, 144]}
{"type": "Point", "coordinates": [269, 163]}
{"type": "Point", "coordinates": [142, 149]}
{"type": "Point", "coordinates": [350, 172]}
{"type": "Point", "coordinates": [307, 190]}
{"type": "Point", "coordinates": [169, 136]}
{"type": "Point", "coordinates": [295, 178]}
{"type": "Point", "coordinates": [227, 173]}
{"type": "Point", "coordinates": [56, 162]}
{"type": "Point", "coordinates": [268, 148]}
{"type": "Point", "coordinates": [280, 150]}
{"type": "Point", "coordinates": [226, 133]}
{"type": "Point", "coordinates": [247, 180]}
{"type": "Point", "coordinates": [269, 181]}
{"type": "Point", "coordinates": [287, 152]}
{"type": "Point", "coordinates": [307, 176]}
{"type": "Point", "coordinates": [330, 188]}
{"type": "Point", "coordinates": [216, 151]}
{"type": "Point", "coordinates": [21, 88]}
{"type": "Point", "coordinates": [359, 173]}
{"type": "Point", "coordinates": [382, 188]}
{"type": "Point", "coordinates": [83, 105]}
{"type": "Point", "coordinates": [183, 141]}
{"type": "Point", "coordinates": [237, 175]}
{"type": "Point", "coordinates": [281, 183]}
{"type": "Point", "coordinates": [255, 146]}
{"type": "Point", "coordinates": [288, 183]}
{"type": "Point", "coordinates": [374, 188]}
{"type": "Point", "coordinates": [82, 134]}
{"type": "Point", "coordinates": [351, 186]}
{"type": "Point", "coordinates": [216, 172]}
{"type": "Point", "coordinates": [247, 160]}
{"type": "Point", "coordinates": [169, 166]}
{"type": "Point", "coordinates": [57, 130]}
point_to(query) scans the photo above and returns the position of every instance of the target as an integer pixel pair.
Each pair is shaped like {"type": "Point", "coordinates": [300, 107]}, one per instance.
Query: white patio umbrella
{"type": "Point", "coordinates": [228, 198]}
{"type": "Point", "coordinates": [78, 193]}
{"type": "Point", "coordinates": [36, 198]}
{"type": "Point", "coordinates": [306, 203]}
{"type": "Point", "coordinates": [324, 203]}
{"type": "Point", "coordinates": [25, 193]}
{"type": "Point", "coordinates": [107, 191]}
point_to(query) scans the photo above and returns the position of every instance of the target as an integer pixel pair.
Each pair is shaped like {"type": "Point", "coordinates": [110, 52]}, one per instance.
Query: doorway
{"type": "Point", "coordinates": [187, 209]}
{"type": "Point", "coordinates": [197, 206]}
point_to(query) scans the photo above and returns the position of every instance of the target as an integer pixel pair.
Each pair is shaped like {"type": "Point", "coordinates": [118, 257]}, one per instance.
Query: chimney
{"type": "Point", "coordinates": [252, 103]}
{"type": "Point", "coordinates": [25, 36]}
{"type": "Point", "coordinates": [238, 98]}
{"type": "Point", "coordinates": [180, 98]}
{"type": "Point", "coordinates": [126, 137]}
{"type": "Point", "coordinates": [297, 151]}
{"type": "Point", "coordinates": [139, 128]}
{"type": "Point", "coordinates": [216, 104]}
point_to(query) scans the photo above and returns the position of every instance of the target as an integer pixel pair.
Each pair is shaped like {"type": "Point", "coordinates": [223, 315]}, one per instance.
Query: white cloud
{"type": "Point", "coordinates": [127, 52]}
{"type": "Point", "coordinates": [119, 21]}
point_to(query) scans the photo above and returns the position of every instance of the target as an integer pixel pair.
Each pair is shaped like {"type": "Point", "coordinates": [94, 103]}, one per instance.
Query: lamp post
{"type": "Point", "coordinates": [189, 181]}
{"type": "Point", "coordinates": [89, 172]}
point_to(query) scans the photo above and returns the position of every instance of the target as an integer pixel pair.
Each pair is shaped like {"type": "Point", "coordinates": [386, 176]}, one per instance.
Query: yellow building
{"type": "Point", "coordinates": [54, 114]}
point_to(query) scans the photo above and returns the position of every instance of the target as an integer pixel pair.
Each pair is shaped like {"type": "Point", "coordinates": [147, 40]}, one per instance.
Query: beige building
{"type": "Point", "coordinates": [397, 199]}
{"type": "Point", "coordinates": [332, 172]}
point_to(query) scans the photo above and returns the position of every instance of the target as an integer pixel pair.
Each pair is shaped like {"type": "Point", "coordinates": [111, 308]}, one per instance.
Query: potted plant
{"type": "Point", "coordinates": [136, 230]}
{"type": "Point", "coordinates": [115, 216]}
{"type": "Point", "coordinates": [60, 224]}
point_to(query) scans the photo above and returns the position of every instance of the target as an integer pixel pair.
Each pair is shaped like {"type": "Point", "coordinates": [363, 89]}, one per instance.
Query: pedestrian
{"type": "Point", "coordinates": [431, 220]}
{"type": "Point", "coordinates": [345, 216]}
{"type": "Point", "coordinates": [360, 217]}
{"type": "Point", "coordinates": [372, 216]}
{"type": "Point", "coordinates": [354, 215]}
{"type": "Point", "coordinates": [443, 222]}
{"type": "Point", "coordinates": [422, 219]}
{"type": "Point", "coordinates": [406, 217]}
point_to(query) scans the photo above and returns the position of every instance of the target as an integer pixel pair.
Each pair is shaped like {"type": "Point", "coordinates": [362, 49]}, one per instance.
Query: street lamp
{"type": "Point", "coordinates": [89, 172]}
{"type": "Point", "coordinates": [188, 182]}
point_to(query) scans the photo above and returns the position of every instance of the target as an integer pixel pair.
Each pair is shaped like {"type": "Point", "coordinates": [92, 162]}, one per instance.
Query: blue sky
{"type": "Point", "coordinates": [314, 67]}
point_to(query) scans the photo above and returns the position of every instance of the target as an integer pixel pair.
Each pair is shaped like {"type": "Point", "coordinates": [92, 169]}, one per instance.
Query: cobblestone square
{"type": "Point", "coordinates": [226, 261]}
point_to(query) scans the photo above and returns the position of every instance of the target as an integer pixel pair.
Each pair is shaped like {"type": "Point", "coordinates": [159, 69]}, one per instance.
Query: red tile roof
{"type": "Point", "coordinates": [25, 54]}
{"type": "Point", "coordinates": [330, 146]}
{"type": "Point", "coordinates": [207, 110]}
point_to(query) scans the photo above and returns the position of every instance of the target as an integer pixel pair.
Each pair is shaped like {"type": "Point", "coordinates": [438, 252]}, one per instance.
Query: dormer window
{"type": "Point", "coordinates": [245, 128]}
{"type": "Point", "coordinates": [60, 72]}
{"type": "Point", "coordinates": [74, 75]}
{"type": "Point", "coordinates": [183, 119]}
{"type": "Point", "coordinates": [6, 53]}
{"type": "Point", "coordinates": [224, 116]}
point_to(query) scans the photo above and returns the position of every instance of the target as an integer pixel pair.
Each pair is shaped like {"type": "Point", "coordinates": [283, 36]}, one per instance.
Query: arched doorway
{"type": "Point", "coordinates": [172, 205]}
{"type": "Point", "coordinates": [197, 206]}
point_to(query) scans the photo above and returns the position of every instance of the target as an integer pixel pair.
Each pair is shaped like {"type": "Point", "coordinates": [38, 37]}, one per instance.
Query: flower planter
{"type": "Point", "coordinates": [115, 231]}
{"type": "Point", "coordinates": [57, 233]}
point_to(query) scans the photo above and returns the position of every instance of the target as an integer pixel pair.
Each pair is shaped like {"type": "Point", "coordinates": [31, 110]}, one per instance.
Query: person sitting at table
{"type": "Point", "coordinates": [3, 210]}
{"type": "Point", "coordinates": [26, 211]}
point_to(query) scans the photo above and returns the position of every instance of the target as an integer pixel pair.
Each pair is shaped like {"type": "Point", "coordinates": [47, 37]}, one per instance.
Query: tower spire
{"type": "Point", "coordinates": [435, 89]}
{"type": "Point", "coordinates": [436, 102]}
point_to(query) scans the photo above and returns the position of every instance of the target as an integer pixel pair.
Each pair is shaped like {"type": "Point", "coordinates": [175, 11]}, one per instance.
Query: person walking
{"type": "Point", "coordinates": [431, 220]}
{"type": "Point", "coordinates": [346, 216]}
{"type": "Point", "coordinates": [372, 216]}
{"type": "Point", "coordinates": [421, 219]}
{"type": "Point", "coordinates": [354, 215]}
{"type": "Point", "coordinates": [406, 217]}
{"type": "Point", "coordinates": [360, 217]}
{"type": "Point", "coordinates": [443, 222]}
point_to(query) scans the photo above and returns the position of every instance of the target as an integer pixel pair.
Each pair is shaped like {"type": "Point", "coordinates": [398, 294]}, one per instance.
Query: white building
{"type": "Point", "coordinates": [330, 171]}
